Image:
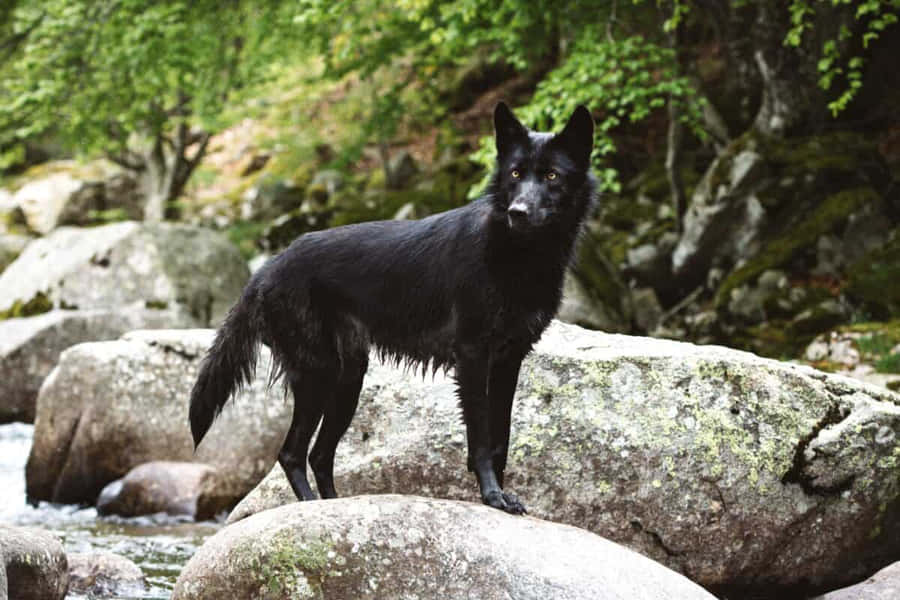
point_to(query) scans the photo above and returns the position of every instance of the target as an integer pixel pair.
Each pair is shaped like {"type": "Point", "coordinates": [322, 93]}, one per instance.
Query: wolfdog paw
{"type": "Point", "coordinates": [505, 502]}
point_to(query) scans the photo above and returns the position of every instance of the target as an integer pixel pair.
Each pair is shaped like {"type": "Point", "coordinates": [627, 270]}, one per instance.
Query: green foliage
{"type": "Point", "coordinates": [103, 74]}
{"type": "Point", "coordinates": [836, 62]}
{"type": "Point", "coordinates": [621, 80]}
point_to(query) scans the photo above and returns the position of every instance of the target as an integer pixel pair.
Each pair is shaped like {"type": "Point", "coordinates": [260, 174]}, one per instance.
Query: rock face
{"type": "Point", "coordinates": [110, 406]}
{"type": "Point", "coordinates": [408, 547]}
{"type": "Point", "coordinates": [30, 346]}
{"type": "Point", "coordinates": [74, 193]}
{"type": "Point", "coordinates": [175, 488]}
{"type": "Point", "coordinates": [742, 473]}
{"type": "Point", "coordinates": [103, 574]}
{"type": "Point", "coordinates": [33, 565]}
{"type": "Point", "coordinates": [161, 265]}
{"type": "Point", "coordinates": [883, 585]}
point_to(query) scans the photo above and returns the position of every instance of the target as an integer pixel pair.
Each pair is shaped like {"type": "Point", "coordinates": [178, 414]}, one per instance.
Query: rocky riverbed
{"type": "Point", "coordinates": [159, 545]}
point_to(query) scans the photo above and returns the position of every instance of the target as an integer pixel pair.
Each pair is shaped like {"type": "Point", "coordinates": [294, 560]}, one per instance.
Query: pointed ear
{"type": "Point", "coordinates": [507, 128]}
{"type": "Point", "coordinates": [577, 137]}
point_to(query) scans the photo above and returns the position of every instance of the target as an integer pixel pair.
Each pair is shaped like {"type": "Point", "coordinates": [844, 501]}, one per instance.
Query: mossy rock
{"type": "Point", "coordinates": [600, 279]}
{"type": "Point", "coordinates": [832, 213]}
{"type": "Point", "coordinates": [875, 281]}
{"type": "Point", "coordinates": [36, 305]}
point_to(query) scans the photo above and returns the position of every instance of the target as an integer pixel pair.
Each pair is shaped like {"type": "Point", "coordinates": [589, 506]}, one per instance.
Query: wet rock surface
{"type": "Point", "coordinates": [34, 565]}
{"type": "Point", "coordinates": [104, 574]}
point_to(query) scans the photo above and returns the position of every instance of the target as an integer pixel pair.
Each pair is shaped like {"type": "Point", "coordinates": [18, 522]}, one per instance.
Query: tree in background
{"type": "Point", "coordinates": [143, 82]}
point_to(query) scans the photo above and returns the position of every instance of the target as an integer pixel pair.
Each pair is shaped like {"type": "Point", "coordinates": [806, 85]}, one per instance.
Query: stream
{"type": "Point", "coordinates": [160, 545]}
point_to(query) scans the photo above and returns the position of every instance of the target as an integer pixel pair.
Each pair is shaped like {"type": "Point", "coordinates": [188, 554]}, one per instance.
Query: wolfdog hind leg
{"type": "Point", "coordinates": [311, 389]}
{"type": "Point", "coordinates": [338, 415]}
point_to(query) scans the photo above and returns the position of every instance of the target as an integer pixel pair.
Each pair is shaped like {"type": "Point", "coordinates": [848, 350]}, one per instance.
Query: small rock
{"type": "Point", "coordinates": [407, 211]}
{"type": "Point", "coordinates": [647, 310]}
{"type": "Point", "coordinates": [174, 488]}
{"type": "Point", "coordinates": [34, 564]}
{"type": "Point", "coordinates": [403, 168]}
{"type": "Point", "coordinates": [103, 574]}
{"type": "Point", "coordinates": [324, 184]}
{"type": "Point", "coordinates": [270, 198]}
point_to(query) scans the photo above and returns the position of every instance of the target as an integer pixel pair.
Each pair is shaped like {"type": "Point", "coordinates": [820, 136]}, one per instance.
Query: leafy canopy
{"type": "Point", "coordinates": [98, 74]}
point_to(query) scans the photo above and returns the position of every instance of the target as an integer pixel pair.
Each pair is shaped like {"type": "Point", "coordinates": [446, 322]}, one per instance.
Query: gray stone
{"type": "Point", "coordinates": [883, 585]}
{"type": "Point", "coordinates": [11, 245]}
{"type": "Point", "coordinates": [175, 488]}
{"type": "Point", "coordinates": [403, 168]}
{"type": "Point", "coordinates": [33, 565]}
{"type": "Point", "coordinates": [408, 547]}
{"type": "Point", "coordinates": [732, 469]}
{"type": "Point", "coordinates": [73, 193]}
{"type": "Point", "coordinates": [647, 310]}
{"type": "Point", "coordinates": [110, 406]}
{"type": "Point", "coordinates": [579, 308]}
{"type": "Point", "coordinates": [111, 266]}
{"type": "Point", "coordinates": [30, 346]}
{"type": "Point", "coordinates": [324, 184]}
{"type": "Point", "coordinates": [43, 200]}
{"type": "Point", "coordinates": [724, 218]}
{"type": "Point", "coordinates": [104, 574]}
{"type": "Point", "coordinates": [270, 198]}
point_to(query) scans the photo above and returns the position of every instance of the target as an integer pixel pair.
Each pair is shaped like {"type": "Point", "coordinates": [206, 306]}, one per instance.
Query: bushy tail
{"type": "Point", "coordinates": [229, 364]}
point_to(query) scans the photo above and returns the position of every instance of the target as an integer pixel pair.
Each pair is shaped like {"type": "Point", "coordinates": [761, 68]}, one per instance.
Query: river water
{"type": "Point", "coordinates": [160, 545]}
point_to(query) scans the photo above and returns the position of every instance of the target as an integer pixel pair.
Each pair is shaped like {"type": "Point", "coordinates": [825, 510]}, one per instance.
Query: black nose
{"type": "Point", "coordinates": [518, 213]}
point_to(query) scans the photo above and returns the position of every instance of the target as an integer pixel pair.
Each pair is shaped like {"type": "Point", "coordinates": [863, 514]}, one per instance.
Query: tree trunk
{"type": "Point", "coordinates": [788, 74]}
{"type": "Point", "coordinates": [164, 169]}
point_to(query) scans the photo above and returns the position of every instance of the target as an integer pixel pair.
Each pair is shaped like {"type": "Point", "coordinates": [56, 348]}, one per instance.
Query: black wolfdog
{"type": "Point", "coordinates": [472, 288]}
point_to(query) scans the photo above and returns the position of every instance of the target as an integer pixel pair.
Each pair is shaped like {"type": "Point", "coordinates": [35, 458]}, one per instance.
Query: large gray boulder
{"type": "Point", "coordinates": [740, 472]}
{"type": "Point", "coordinates": [394, 547]}
{"type": "Point", "coordinates": [161, 265]}
{"type": "Point", "coordinates": [110, 406]}
{"type": "Point", "coordinates": [33, 565]}
{"type": "Point", "coordinates": [30, 346]}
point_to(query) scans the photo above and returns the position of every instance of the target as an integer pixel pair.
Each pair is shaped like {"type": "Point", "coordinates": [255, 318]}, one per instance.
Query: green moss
{"type": "Point", "coordinates": [37, 305]}
{"type": "Point", "coordinates": [889, 363]}
{"type": "Point", "coordinates": [831, 213]}
{"type": "Point", "coordinates": [156, 304]}
{"type": "Point", "coordinates": [875, 281]}
{"type": "Point", "coordinates": [291, 569]}
{"type": "Point", "coordinates": [245, 235]}
{"type": "Point", "coordinates": [597, 275]}
{"type": "Point", "coordinates": [838, 151]}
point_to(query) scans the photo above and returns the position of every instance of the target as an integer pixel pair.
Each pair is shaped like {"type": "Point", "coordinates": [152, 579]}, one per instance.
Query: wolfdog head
{"type": "Point", "coordinates": [542, 181]}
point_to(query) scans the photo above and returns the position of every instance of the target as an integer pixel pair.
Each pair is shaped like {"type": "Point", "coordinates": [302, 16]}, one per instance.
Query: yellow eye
{"type": "Point", "coordinates": [515, 174]}
{"type": "Point", "coordinates": [551, 175]}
